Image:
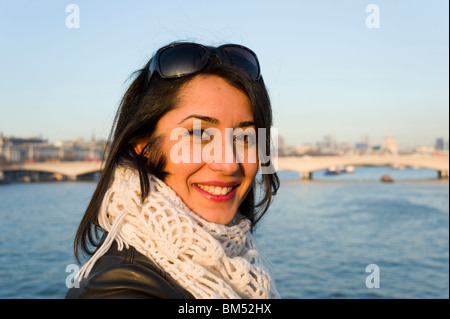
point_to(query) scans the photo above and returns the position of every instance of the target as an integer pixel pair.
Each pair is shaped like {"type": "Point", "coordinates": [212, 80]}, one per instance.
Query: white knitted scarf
{"type": "Point", "coordinates": [209, 260]}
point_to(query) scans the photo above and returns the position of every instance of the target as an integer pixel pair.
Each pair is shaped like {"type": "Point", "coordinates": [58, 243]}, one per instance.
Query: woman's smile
{"type": "Point", "coordinates": [217, 191]}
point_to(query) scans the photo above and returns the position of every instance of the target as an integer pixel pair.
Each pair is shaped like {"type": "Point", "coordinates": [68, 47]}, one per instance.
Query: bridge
{"type": "Point", "coordinates": [58, 170]}
{"type": "Point", "coordinates": [306, 165]}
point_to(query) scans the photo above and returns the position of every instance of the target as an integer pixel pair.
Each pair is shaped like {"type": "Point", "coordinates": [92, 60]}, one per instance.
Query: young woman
{"type": "Point", "coordinates": [178, 198]}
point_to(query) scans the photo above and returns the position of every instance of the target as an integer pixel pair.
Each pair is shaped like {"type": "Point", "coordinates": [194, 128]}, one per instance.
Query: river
{"type": "Point", "coordinates": [346, 236]}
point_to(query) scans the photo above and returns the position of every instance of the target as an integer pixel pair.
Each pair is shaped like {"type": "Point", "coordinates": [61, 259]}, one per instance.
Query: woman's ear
{"type": "Point", "coordinates": [138, 147]}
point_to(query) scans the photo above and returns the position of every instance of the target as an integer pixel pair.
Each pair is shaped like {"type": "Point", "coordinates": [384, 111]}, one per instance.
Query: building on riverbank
{"type": "Point", "coordinates": [21, 150]}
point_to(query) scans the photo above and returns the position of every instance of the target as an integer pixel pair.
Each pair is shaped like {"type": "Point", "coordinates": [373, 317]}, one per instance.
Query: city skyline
{"type": "Point", "coordinates": [365, 138]}
{"type": "Point", "coordinates": [327, 142]}
{"type": "Point", "coordinates": [340, 69]}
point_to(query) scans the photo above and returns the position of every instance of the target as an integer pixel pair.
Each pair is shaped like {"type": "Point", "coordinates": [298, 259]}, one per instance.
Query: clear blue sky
{"type": "Point", "coordinates": [327, 73]}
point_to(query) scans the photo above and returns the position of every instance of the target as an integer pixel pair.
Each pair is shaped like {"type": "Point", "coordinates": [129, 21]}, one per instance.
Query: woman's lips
{"type": "Point", "coordinates": [217, 191]}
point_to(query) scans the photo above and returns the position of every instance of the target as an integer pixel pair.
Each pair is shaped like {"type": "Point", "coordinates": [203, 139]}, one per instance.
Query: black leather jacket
{"type": "Point", "coordinates": [127, 274]}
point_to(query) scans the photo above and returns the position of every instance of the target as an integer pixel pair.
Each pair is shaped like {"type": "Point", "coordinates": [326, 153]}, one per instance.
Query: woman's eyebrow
{"type": "Point", "coordinates": [213, 120]}
{"type": "Point", "coordinates": [203, 118]}
{"type": "Point", "coordinates": [246, 123]}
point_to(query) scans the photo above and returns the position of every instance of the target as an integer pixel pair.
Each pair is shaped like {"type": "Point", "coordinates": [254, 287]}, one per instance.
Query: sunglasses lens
{"type": "Point", "coordinates": [181, 60]}
{"type": "Point", "coordinates": [242, 58]}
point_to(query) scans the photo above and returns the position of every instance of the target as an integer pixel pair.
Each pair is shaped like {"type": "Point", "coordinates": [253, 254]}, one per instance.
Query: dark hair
{"type": "Point", "coordinates": [140, 109]}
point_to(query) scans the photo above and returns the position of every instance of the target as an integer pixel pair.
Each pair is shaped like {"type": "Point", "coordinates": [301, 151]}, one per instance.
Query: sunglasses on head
{"type": "Point", "coordinates": [181, 59]}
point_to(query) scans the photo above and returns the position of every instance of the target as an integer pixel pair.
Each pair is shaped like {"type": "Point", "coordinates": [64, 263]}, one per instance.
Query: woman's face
{"type": "Point", "coordinates": [209, 168]}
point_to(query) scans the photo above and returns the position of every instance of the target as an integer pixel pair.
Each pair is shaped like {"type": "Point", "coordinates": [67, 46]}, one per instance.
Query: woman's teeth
{"type": "Point", "coordinates": [215, 190]}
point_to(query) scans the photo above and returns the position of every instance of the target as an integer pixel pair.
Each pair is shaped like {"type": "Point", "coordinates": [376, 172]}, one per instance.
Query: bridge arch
{"type": "Point", "coordinates": [59, 170]}
{"type": "Point", "coordinates": [307, 165]}
{"type": "Point", "coordinates": [93, 175]}
{"type": "Point", "coordinates": [25, 175]}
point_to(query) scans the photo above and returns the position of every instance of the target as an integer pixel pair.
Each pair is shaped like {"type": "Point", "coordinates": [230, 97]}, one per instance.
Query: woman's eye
{"type": "Point", "coordinates": [200, 134]}
{"type": "Point", "coordinates": [246, 139]}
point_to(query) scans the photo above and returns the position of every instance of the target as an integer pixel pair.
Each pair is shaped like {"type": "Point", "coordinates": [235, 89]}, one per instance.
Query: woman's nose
{"type": "Point", "coordinates": [221, 156]}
